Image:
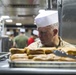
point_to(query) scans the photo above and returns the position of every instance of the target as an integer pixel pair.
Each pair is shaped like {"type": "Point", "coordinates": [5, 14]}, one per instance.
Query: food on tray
{"type": "Point", "coordinates": [32, 56]}
{"type": "Point", "coordinates": [43, 50]}
{"type": "Point", "coordinates": [19, 57]}
{"type": "Point", "coordinates": [67, 59]}
{"type": "Point", "coordinates": [40, 58]}
{"type": "Point", "coordinates": [70, 51]}
{"type": "Point", "coordinates": [35, 51]}
{"type": "Point", "coordinates": [46, 57]}
{"type": "Point", "coordinates": [26, 49]}
{"type": "Point", "coordinates": [52, 57]}
{"type": "Point", "coordinates": [48, 50]}
{"type": "Point", "coordinates": [40, 54]}
{"type": "Point", "coordinates": [16, 50]}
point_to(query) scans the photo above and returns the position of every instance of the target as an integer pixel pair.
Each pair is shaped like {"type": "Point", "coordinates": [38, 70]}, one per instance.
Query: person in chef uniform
{"type": "Point", "coordinates": [48, 27]}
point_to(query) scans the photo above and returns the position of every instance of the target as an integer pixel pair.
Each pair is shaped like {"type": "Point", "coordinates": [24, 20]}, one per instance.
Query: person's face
{"type": "Point", "coordinates": [46, 35]}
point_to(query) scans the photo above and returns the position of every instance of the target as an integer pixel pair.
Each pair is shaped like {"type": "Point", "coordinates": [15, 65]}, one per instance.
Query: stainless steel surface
{"type": "Point", "coordinates": [4, 44]}
{"type": "Point", "coordinates": [68, 25]}
{"type": "Point", "coordinates": [42, 64]}
{"type": "Point", "coordinates": [22, 11]}
{"type": "Point", "coordinates": [37, 71]}
{"type": "Point", "coordinates": [0, 45]}
{"type": "Point", "coordinates": [4, 55]}
{"type": "Point", "coordinates": [5, 69]}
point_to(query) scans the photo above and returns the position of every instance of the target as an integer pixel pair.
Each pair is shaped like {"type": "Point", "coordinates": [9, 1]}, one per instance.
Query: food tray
{"type": "Point", "coordinates": [4, 55]}
{"type": "Point", "coordinates": [42, 64]}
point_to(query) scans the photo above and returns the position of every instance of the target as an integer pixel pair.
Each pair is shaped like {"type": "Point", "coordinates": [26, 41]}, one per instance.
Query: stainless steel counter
{"type": "Point", "coordinates": [5, 69]}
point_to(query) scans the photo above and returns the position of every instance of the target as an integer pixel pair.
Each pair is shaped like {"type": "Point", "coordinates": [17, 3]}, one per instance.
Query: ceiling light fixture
{"type": "Point", "coordinates": [4, 17]}
{"type": "Point", "coordinates": [18, 24]}
{"type": "Point", "coordinates": [9, 20]}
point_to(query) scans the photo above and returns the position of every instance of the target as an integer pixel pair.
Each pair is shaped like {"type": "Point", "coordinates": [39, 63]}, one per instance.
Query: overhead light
{"type": "Point", "coordinates": [4, 17]}
{"type": "Point", "coordinates": [19, 24]}
{"type": "Point", "coordinates": [9, 20]}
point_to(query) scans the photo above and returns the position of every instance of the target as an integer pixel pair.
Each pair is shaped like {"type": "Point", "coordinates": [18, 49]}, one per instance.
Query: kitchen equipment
{"type": "Point", "coordinates": [42, 64]}
{"type": "Point", "coordinates": [4, 55]}
{"type": "Point", "coordinates": [63, 54]}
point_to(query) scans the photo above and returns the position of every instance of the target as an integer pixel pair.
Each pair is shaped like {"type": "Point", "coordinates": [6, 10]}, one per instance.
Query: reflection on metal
{"type": "Point", "coordinates": [59, 6]}
{"type": "Point", "coordinates": [69, 21]}
{"type": "Point", "coordinates": [24, 11]}
{"type": "Point", "coordinates": [51, 4]}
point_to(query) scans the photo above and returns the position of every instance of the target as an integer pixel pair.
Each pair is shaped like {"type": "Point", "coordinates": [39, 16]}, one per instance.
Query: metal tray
{"type": "Point", "coordinates": [41, 64]}
{"type": "Point", "coordinates": [4, 55]}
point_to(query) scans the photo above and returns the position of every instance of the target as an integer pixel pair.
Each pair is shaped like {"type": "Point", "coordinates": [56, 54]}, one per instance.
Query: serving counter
{"type": "Point", "coordinates": [5, 69]}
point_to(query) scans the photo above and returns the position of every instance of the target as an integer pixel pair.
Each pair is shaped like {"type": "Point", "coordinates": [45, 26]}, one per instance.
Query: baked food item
{"type": "Point", "coordinates": [40, 54]}
{"type": "Point", "coordinates": [18, 57]}
{"type": "Point", "coordinates": [16, 50]}
{"type": "Point", "coordinates": [35, 55]}
{"type": "Point", "coordinates": [53, 57]}
{"type": "Point", "coordinates": [48, 50]}
{"type": "Point", "coordinates": [68, 50]}
{"type": "Point", "coordinates": [43, 50]}
{"type": "Point", "coordinates": [67, 59]}
{"type": "Point", "coordinates": [25, 49]}
{"type": "Point", "coordinates": [35, 51]}
{"type": "Point", "coordinates": [44, 57]}
{"type": "Point", "coordinates": [40, 58]}
{"type": "Point", "coordinates": [31, 56]}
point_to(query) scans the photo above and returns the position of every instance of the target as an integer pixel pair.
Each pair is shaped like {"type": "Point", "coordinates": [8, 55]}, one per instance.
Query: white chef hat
{"type": "Point", "coordinates": [46, 18]}
{"type": "Point", "coordinates": [35, 32]}
{"type": "Point", "coordinates": [22, 30]}
{"type": "Point", "coordinates": [8, 33]}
